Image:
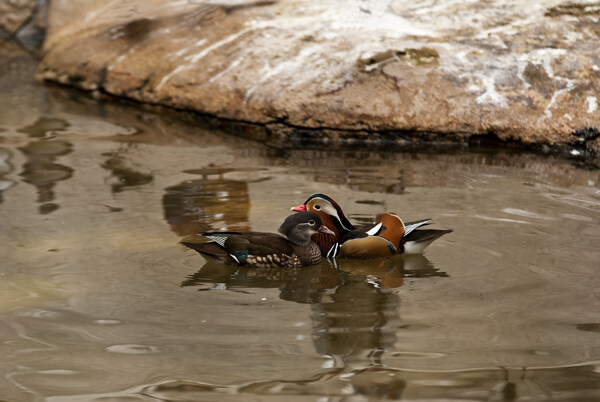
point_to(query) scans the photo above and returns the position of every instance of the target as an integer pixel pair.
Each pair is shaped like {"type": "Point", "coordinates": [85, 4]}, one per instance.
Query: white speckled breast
{"type": "Point", "coordinates": [314, 253]}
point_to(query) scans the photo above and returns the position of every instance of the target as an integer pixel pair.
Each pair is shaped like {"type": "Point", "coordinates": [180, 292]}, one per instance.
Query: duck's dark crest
{"type": "Point", "coordinates": [299, 228]}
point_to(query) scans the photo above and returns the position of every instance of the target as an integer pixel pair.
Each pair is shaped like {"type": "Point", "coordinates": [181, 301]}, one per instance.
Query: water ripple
{"type": "Point", "coordinates": [491, 218]}
{"type": "Point", "coordinates": [108, 322]}
{"type": "Point", "coordinates": [419, 355]}
{"type": "Point", "coordinates": [526, 214]}
{"type": "Point", "coordinates": [134, 349]}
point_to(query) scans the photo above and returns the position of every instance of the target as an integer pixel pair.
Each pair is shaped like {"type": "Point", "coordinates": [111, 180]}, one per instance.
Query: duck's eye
{"type": "Point", "coordinates": [317, 207]}
{"type": "Point", "coordinates": [312, 223]}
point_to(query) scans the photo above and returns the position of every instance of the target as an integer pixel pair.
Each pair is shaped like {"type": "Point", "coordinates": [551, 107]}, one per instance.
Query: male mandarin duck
{"type": "Point", "coordinates": [267, 250]}
{"type": "Point", "coordinates": [387, 237]}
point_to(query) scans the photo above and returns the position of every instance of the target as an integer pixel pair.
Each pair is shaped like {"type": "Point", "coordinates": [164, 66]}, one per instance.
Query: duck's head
{"type": "Point", "coordinates": [299, 228]}
{"type": "Point", "coordinates": [325, 206]}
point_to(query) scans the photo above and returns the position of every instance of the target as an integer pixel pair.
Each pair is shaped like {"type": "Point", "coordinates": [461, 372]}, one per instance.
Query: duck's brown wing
{"type": "Point", "coordinates": [260, 249]}
{"type": "Point", "coordinates": [250, 248]}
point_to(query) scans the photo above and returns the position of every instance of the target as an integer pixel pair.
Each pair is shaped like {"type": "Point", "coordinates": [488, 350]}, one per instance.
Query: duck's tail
{"type": "Point", "coordinates": [417, 240]}
{"type": "Point", "coordinates": [212, 251]}
{"type": "Point", "coordinates": [410, 226]}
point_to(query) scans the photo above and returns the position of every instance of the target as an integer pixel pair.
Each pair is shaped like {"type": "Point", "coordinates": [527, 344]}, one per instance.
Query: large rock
{"type": "Point", "coordinates": [524, 71]}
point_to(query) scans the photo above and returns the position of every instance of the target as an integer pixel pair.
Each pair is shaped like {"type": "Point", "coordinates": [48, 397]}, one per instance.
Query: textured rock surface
{"type": "Point", "coordinates": [15, 13]}
{"type": "Point", "coordinates": [23, 20]}
{"type": "Point", "coordinates": [525, 71]}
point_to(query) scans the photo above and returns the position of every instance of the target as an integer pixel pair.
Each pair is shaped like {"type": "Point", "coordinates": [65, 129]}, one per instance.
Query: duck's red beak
{"type": "Point", "coordinates": [299, 208]}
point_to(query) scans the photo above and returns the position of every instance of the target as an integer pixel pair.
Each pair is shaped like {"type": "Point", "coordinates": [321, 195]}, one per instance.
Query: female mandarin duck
{"type": "Point", "coordinates": [387, 237]}
{"type": "Point", "coordinates": [267, 250]}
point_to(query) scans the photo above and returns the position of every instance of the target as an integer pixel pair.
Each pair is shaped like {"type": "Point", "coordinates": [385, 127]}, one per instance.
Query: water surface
{"type": "Point", "coordinates": [98, 301]}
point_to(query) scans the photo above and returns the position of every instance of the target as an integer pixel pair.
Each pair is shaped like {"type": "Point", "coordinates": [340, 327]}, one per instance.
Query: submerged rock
{"type": "Point", "coordinates": [524, 71]}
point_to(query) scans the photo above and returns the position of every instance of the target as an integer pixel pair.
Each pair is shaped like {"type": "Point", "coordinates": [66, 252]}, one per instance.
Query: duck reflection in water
{"type": "Point", "coordinates": [197, 206]}
{"type": "Point", "coordinates": [315, 284]}
{"type": "Point", "coordinates": [354, 306]}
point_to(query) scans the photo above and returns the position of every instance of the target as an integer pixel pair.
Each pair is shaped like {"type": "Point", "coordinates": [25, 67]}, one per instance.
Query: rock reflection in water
{"type": "Point", "coordinates": [43, 172]}
{"type": "Point", "coordinates": [5, 168]}
{"type": "Point", "coordinates": [123, 176]}
{"type": "Point", "coordinates": [41, 169]}
{"type": "Point", "coordinates": [210, 203]}
{"type": "Point", "coordinates": [45, 127]}
{"type": "Point", "coordinates": [358, 170]}
{"type": "Point", "coordinates": [197, 206]}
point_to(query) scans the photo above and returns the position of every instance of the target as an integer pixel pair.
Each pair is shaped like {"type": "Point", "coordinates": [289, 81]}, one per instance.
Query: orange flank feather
{"type": "Point", "coordinates": [381, 240]}
{"type": "Point", "coordinates": [392, 228]}
{"type": "Point", "coordinates": [364, 248]}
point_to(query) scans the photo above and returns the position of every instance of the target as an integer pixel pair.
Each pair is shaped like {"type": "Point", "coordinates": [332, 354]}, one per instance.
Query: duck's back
{"type": "Point", "coordinates": [259, 243]}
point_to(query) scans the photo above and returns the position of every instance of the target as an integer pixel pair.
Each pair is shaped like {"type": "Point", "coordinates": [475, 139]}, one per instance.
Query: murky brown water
{"type": "Point", "coordinates": [99, 302]}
